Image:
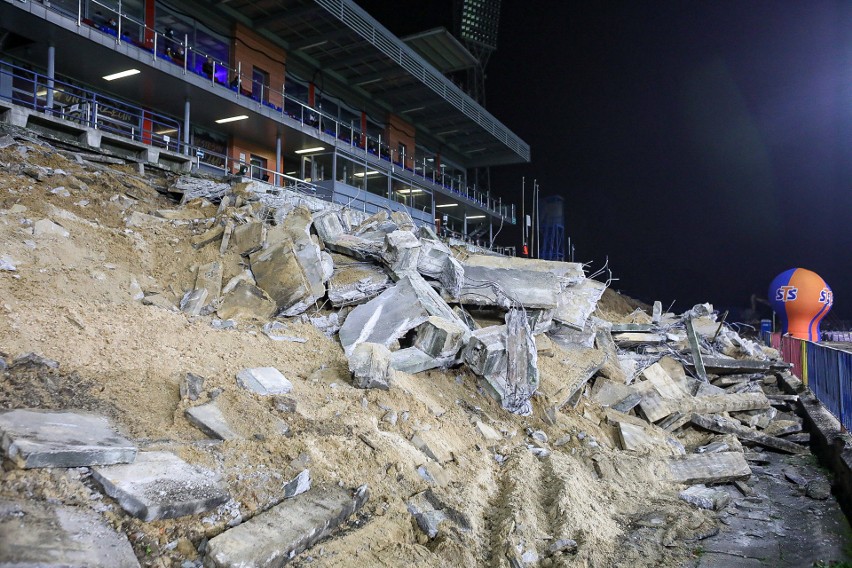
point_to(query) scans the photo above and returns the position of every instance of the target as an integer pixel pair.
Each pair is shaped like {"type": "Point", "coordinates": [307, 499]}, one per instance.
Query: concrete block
{"type": "Point", "coordinates": [431, 443]}
{"type": "Point", "coordinates": [298, 485]}
{"type": "Point", "coordinates": [439, 338]}
{"type": "Point", "coordinates": [522, 364]}
{"type": "Point", "coordinates": [489, 286]}
{"type": "Point", "coordinates": [191, 386]}
{"type": "Point", "coordinates": [355, 283]}
{"type": "Point", "coordinates": [209, 277]}
{"type": "Point", "coordinates": [210, 420]}
{"type": "Point", "coordinates": [328, 225]}
{"type": "Point", "coordinates": [370, 365]}
{"type": "Point", "coordinates": [277, 535]}
{"type": "Point", "coordinates": [291, 273]}
{"type": "Point", "coordinates": [46, 438]}
{"type": "Point", "coordinates": [246, 302]}
{"type": "Point", "coordinates": [705, 497]}
{"type": "Point", "coordinates": [160, 485]}
{"type": "Point", "coordinates": [38, 534]}
{"type": "Point", "coordinates": [247, 238]}
{"type": "Point", "coordinates": [485, 353]}
{"type": "Point", "coordinates": [402, 250]}
{"type": "Point", "coordinates": [577, 302]}
{"type": "Point", "coordinates": [194, 301]}
{"type": "Point", "coordinates": [264, 381]}
{"type": "Point", "coordinates": [412, 360]}
{"type": "Point", "coordinates": [47, 228]}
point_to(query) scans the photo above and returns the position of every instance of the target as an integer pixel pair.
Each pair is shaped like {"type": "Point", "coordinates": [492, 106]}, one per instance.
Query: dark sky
{"type": "Point", "coordinates": [703, 147]}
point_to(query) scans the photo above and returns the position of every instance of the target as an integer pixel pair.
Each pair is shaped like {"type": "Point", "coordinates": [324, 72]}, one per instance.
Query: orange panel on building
{"type": "Point", "coordinates": [398, 132]}
{"type": "Point", "coordinates": [252, 51]}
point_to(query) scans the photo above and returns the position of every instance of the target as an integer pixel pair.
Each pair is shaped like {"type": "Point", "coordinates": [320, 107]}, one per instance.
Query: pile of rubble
{"type": "Point", "coordinates": [403, 297]}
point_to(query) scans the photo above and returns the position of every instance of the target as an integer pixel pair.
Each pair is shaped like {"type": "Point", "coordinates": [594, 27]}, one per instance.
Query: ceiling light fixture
{"type": "Point", "coordinates": [362, 174]}
{"type": "Point", "coordinates": [469, 217]}
{"type": "Point", "coordinates": [447, 205]}
{"type": "Point", "coordinates": [232, 119]}
{"type": "Point", "coordinates": [122, 74]}
{"type": "Point", "coordinates": [308, 150]}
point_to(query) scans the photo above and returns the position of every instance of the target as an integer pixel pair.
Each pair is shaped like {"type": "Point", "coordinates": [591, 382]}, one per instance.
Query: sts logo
{"type": "Point", "coordinates": [826, 296]}
{"type": "Point", "coordinates": [787, 294]}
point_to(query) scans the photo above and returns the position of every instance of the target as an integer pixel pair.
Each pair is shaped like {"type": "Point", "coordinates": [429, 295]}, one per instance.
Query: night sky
{"type": "Point", "coordinates": [702, 147]}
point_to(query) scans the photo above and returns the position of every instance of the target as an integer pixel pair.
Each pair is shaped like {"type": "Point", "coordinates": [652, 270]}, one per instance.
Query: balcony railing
{"type": "Point", "coordinates": [178, 50]}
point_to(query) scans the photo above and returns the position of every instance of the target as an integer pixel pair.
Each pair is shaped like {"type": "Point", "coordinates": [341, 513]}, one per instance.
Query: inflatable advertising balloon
{"type": "Point", "coordinates": [801, 299]}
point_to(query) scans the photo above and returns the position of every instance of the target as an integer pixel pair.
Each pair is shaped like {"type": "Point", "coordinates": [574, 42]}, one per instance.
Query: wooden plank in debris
{"type": "Point", "coordinates": [636, 339]}
{"type": "Point", "coordinates": [625, 327]}
{"type": "Point", "coordinates": [722, 425]}
{"type": "Point", "coordinates": [723, 366]}
{"type": "Point", "coordinates": [709, 468]}
{"type": "Point", "coordinates": [698, 363]}
{"type": "Point", "coordinates": [663, 382]}
{"type": "Point", "coordinates": [716, 404]}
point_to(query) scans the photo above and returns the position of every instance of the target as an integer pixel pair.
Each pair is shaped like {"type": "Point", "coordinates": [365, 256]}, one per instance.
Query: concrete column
{"type": "Point", "coordinates": [490, 233]}
{"type": "Point", "coordinates": [51, 73]}
{"type": "Point", "coordinates": [186, 127]}
{"type": "Point", "coordinates": [277, 180]}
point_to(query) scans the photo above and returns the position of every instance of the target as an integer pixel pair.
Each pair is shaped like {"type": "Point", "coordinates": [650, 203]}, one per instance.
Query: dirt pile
{"type": "Point", "coordinates": [100, 272]}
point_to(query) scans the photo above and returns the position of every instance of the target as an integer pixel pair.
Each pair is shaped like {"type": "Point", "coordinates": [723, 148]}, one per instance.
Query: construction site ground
{"type": "Point", "coordinates": [70, 298]}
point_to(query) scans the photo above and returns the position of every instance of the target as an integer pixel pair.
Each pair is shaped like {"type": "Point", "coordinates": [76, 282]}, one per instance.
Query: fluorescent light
{"type": "Point", "coordinates": [367, 82]}
{"type": "Point", "coordinates": [307, 150]}
{"type": "Point", "coordinates": [447, 132]}
{"type": "Point", "coordinates": [447, 205]}
{"type": "Point", "coordinates": [317, 44]}
{"type": "Point", "coordinates": [362, 174]}
{"type": "Point", "coordinates": [42, 93]}
{"type": "Point", "coordinates": [290, 173]}
{"type": "Point", "coordinates": [232, 119]}
{"type": "Point", "coordinates": [415, 109]}
{"type": "Point", "coordinates": [474, 217]}
{"type": "Point", "coordinates": [166, 131]}
{"type": "Point", "coordinates": [121, 74]}
{"type": "Point", "coordinates": [407, 191]}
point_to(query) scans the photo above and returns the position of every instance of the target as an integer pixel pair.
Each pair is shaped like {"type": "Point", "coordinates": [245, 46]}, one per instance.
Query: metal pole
{"type": "Point", "coordinates": [51, 74]}
{"type": "Point", "coordinates": [118, 39]}
{"type": "Point", "coordinates": [185, 51]}
{"type": "Point", "coordinates": [186, 127]}
{"type": "Point", "coordinates": [277, 158]}
{"type": "Point", "coordinates": [79, 13]}
{"type": "Point", "coordinates": [523, 213]}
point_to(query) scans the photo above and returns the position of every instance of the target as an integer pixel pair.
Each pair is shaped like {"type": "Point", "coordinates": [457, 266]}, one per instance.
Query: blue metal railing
{"type": "Point", "coordinates": [87, 108]}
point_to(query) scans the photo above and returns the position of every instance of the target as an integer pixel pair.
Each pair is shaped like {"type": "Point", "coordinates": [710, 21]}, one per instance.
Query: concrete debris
{"type": "Point", "coordinates": [264, 381]}
{"type": "Point", "coordinates": [212, 234]}
{"type": "Point", "coordinates": [722, 425]}
{"type": "Point", "coordinates": [522, 364]}
{"type": "Point", "coordinates": [354, 283]}
{"type": "Point", "coordinates": [36, 533]}
{"type": "Point", "coordinates": [298, 485]}
{"type": "Point", "coordinates": [489, 284]}
{"type": "Point", "coordinates": [577, 302]}
{"type": "Point", "coordinates": [440, 338]}
{"type": "Point", "coordinates": [705, 497]}
{"type": "Point", "coordinates": [160, 485]}
{"type": "Point", "coordinates": [291, 274]}
{"type": "Point", "coordinates": [430, 512]}
{"type": "Point", "coordinates": [246, 302]}
{"type": "Point", "coordinates": [401, 252]}
{"type": "Point", "coordinates": [278, 534]}
{"type": "Point", "coordinates": [47, 228]}
{"type": "Point", "coordinates": [191, 386]}
{"type": "Point", "coordinates": [709, 468]}
{"type": "Point", "coordinates": [412, 360]}
{"type": "Point", "coordinates": [194, 301]}
{"type": "Point", "coordinates": [7, 264]}
{"type": "Point", "coordinates": [273, 330]}
{"type": "Point", "coordinates": [329, 324]}
{"type": "Point", "coordinates": [193, 187]}
{"type": "Point", "coordinates": [33, 360]}
{"type": "Point", "coordinates": [46, 438]}
{"type": "Point", "coordinates": [370, 365]}
{"type": "Point", "coordinates": [210, 420]}
{"type": "Point", "coordinates": [433, 445]}
{"type": "Point", "coordinates": [247, 238]}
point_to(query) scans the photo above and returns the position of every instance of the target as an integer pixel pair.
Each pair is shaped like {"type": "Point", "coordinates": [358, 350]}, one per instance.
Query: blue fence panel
{"type": "Point", "coordinates": [823, 377]}
{"type": "Point", "coordinates": [844, 375]}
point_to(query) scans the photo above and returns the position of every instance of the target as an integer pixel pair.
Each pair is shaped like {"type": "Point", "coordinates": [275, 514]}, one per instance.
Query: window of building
{"type": "Point", "coordinates": [258, 167]}
{"type": "Point", "coordinates": [260, 84]}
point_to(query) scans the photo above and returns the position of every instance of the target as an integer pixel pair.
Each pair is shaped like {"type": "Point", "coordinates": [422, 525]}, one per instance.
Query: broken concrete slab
{"type": "Point", "coordinates": [714, 404]}
{"type": "Point", "coordinates": [723, 425]}
{"type": "Point", "coordinates": [395, 312]}
{"type": "Point", "coordinates": [705, 497]}
{"type": "Point", "coordinates": [412, 360]}
{"type": "Point", "coordinates": [429, 512]}
{"type": "Point", "coordinates": [247, 238]}
{"type": "Point", "coordinates": [209, 277]}
{"type": "Point", "coordinates": [39, 534]}
{"type": "Point", "coordinates": [212, 234]}
{"type": "Point", "coordinates": [609, 393]}
{"type": "Point", "coordinates": [636, 339]}
{"type": "Point", "coordinates": [401, 252]}
{"type": "Point", "coordinates": [210, 420]}
{"type": "Point", "coordinates": [192, 187]}
{"type": "Point", "coordinates": [492, 286]}
{"type": "Point", "coordinates": [280, 533]}
{"type": "Point", "coordinates": [354, 283]}
{"type": "Point", "coordinates": [698, 363]}
{"type": "Point", "coordinates": [433, 445]}
{"type": "Point", "coordinates": [160, 485]}
{"type": "Point", "coordinates": [576, 302]}
{"type": "Point", "coordinates": [47, 228]}
{"type": "Point", "coordinates": [580, 364]}
{"type": "Point", "coordinates": [191, 386]}
{"type": "Point", "coordinates": [436, 261]}
{"type": "Point", "coordinates": [57, 438]}
{"type": "Point", "coordinates": [298, 485]}
{"type": "Point", "coordinates": [328, 225]}
{"type": "Point", "coordinates": [264, 381]}
{"type": "Point", "coordinates": [709, 468]}
{"type": "Point", "coordinates": [246, 302]}
{"type": "Point", "coordinates": [440, 338]}
{"type": "Point", "coordinates": [194, 301]}
{"type": "Point", "coordinates": [723, 366]}
{"type": "Point", "coordinates": [291, 273]}
{"type": "Point", "coordinates": [485, 352]}
{"type": "Point", "coordinates": [370, 365]}
{"type": "Point", "coordinates": [522, 364]}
